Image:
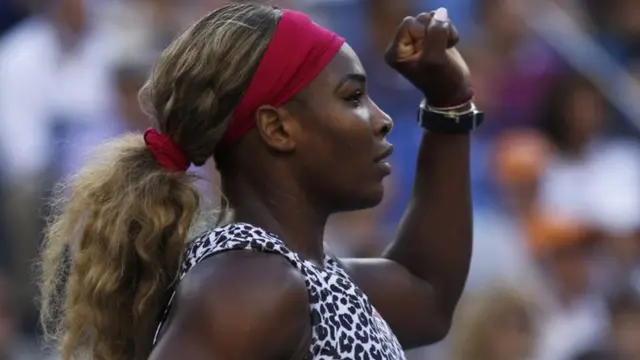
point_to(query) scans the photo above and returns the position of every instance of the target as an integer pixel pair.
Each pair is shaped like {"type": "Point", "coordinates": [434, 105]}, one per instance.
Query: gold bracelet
{"type": "Point", "coordinates": [451, 108]}
{"type": "Point", "coordinates": [454, 112]}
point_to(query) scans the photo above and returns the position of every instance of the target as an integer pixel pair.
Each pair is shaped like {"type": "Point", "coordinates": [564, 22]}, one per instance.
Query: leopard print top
{"type": "Point", "coordinates": [345, 325]}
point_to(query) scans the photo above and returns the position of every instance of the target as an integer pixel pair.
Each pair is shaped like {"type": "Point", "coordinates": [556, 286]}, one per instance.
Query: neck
{"type": "Point", "coordinates": [281, 210]}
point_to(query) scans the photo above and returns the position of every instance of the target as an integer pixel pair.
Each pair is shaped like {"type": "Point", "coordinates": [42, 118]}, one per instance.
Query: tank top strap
{"type": "Point", "coordinates": [234, 237]}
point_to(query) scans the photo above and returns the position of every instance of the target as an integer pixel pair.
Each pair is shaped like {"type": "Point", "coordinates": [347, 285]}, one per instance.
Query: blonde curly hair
{"type": "Point", "coordinates": [120, 226]}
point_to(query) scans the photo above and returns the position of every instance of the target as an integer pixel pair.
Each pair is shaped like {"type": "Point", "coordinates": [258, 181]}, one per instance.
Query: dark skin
{"type": "Point", "coordinates": [321, 154]}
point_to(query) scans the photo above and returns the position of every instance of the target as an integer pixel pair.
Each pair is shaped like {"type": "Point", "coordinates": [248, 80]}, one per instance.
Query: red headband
{"type": "Point", "coordinates": [299, 50]}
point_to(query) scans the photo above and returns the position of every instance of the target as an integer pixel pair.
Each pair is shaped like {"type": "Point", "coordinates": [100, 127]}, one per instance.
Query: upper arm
{"type": "Point", "coordinates": [406, 302]}
{"type": "Point", "coordinates": [238, 305]}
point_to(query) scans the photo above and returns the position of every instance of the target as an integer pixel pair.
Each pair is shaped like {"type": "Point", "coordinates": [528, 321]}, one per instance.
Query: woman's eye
{"type": "Point", "coordinates": [355, 98]}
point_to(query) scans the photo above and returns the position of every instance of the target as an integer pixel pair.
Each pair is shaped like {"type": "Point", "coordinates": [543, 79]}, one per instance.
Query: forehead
{"type": "Point", "coordinates": [344, 63]}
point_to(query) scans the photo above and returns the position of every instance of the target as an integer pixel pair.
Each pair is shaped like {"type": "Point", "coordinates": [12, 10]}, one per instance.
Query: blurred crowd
{"type": "Point", "coordinates": [555, 273]}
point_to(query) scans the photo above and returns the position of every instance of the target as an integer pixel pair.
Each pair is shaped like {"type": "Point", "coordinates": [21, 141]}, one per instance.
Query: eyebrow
{"type": "Point", "coordinates": [357, 77]}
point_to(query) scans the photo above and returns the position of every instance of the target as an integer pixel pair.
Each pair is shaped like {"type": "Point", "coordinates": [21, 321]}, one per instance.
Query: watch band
{"type": "Point", "coordinates": [452, 120]}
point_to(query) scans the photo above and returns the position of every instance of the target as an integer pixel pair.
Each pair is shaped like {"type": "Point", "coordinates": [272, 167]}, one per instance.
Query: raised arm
{"type": "Point", "coordinates": [418, 283]}
{"type": "Point", "coordinates": [238, 305]}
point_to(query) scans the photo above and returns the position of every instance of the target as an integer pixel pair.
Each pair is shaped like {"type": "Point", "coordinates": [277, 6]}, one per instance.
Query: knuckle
{"type": "Point", "coordinates": [407, 21]}
{"type": "Point", "coordinates": [424, 17]}
{"type": "Point", "coordinates": [439, 27]}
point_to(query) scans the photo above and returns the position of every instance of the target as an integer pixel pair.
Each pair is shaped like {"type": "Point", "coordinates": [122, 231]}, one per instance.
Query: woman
{"type": "Point", "coordinates": [282, 106]}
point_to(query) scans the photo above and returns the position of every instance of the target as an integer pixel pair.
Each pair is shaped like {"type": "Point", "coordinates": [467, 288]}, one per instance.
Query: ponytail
{"type": "Point", "coordinates": [112, 252]}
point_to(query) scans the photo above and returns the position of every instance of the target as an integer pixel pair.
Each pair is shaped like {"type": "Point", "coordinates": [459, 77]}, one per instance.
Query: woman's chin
{"type": "Point", "coordinates": [372, 197]}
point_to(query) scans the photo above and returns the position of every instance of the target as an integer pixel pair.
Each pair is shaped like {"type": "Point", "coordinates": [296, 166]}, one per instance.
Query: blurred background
{"type": "Point", "coordinates": [556, 167]}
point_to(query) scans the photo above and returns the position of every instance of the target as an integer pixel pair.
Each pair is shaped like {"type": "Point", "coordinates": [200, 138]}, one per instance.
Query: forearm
{"type": "Point", "coordinates": [434, 238]}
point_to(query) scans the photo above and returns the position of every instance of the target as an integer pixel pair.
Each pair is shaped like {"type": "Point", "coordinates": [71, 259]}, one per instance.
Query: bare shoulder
{"type": "Point", "coordinates": [239, 305]}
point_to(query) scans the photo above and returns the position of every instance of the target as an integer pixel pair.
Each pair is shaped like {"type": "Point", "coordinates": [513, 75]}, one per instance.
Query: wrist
{"type": "Point", "coordinates": [465, 98]}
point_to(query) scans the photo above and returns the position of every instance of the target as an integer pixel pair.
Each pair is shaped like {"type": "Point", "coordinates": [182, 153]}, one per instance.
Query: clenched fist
{"type": "Point", "coordinates": [423, 51]}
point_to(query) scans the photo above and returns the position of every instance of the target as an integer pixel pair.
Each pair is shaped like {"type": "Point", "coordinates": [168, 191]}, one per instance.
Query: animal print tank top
{"type": "Point", "coordinates": [345, 326]}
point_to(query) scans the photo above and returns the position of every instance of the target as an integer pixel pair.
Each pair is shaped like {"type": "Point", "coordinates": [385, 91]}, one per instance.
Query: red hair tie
{"type": "Point", "coordinates": [299, 50]}
{"type": "Point", "coordinates": [166, 152]}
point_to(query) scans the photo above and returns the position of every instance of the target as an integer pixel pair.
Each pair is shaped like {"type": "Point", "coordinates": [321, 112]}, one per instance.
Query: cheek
{"type": "Point", "coordinates": [349, 137]}
{"type": "Point", "coordinates": [339, 145]}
